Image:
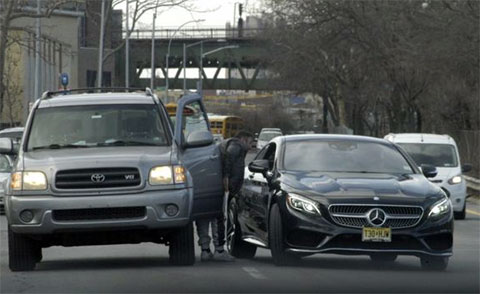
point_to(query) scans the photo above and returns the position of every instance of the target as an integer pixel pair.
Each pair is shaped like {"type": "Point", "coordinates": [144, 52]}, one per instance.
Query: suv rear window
{"type": "Point", "coordinates": [97, 126]}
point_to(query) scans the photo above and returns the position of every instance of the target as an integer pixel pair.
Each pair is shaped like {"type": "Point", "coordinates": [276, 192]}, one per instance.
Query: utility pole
{"type": "Point", "coordinates": [200, 84]}
{"type": "Point", "coordinates": [37, 54]}
{"type": "Point", "coordinates": [152, 63]}
{"type": "Point", "coordinates": [100, 47]}
{"type": "Point", "coordinates": [184, 69]}
{"type": "Point", "coordinates": [127, 48]}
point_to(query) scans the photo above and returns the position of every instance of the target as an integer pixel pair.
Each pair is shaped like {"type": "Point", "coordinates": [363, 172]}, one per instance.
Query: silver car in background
{"type": "Point", "coordinates": [6, 163]}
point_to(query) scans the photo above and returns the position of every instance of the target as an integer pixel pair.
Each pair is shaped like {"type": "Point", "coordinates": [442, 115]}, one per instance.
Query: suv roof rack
{"type": "Point", "coordinates": [50, 94]}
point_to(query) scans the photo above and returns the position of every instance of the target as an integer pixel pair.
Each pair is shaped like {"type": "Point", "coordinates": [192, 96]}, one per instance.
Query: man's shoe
{"type": "Point", "coordinates": [223, 256]}
{"type": "Point", "coordinates": [206, 255]}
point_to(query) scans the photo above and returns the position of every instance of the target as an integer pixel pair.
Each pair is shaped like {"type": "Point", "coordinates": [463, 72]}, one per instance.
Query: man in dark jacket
{"type": "Point", "coordinates": [234, 152]}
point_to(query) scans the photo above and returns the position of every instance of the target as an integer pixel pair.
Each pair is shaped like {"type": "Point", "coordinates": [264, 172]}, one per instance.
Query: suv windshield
{"type": "Point", "coordinates": [96, 126]}
{"type": "Point", "coordinates": [344, 156]}
{"type": "Point", "coordinates": [267, 136]}
{"type": "Point", "coordinates": [439, 155]}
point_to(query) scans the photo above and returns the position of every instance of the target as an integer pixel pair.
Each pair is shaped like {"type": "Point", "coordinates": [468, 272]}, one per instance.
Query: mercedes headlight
{"type": "Point", "coordinates": [28, 181]}
{"type": "Point", "coordinates": [441, 207]}
{"type": "Point", "coordinates": [164, 175]}
{"type": "Point", "coordinates": [303, 204]}
{"type": "Point", "coordinates": [455, 180]}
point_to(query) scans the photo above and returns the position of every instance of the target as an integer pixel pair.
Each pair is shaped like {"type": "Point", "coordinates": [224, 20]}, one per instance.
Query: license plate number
{"type": "Point", "coordinates": [376, 234]}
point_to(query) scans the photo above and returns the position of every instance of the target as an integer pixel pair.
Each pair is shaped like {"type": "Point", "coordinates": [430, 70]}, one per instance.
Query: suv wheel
{"type": "Point", "coordinates": [434, 263]}
{"type": "Point", "coordinates": [182, 248]}
{"type": "Point", "coordinates": [22, 252]}
{"type": "Point", "coordinates": [276, 239]}
{"type": "Point", "coordinates": [383, 257]}
{"type": "Point", "coordinates": [236, 246]}
{"type": "Point", "coordinates": [461, 214]}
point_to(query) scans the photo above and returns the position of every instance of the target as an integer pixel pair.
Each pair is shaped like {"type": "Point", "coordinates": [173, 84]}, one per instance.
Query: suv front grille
{"type": "Point", "coordinates": [356, 216]}
{"type": "Point", "coordinates": [99, 213]}
{"type": "Point", "coordinates": [97, 178]}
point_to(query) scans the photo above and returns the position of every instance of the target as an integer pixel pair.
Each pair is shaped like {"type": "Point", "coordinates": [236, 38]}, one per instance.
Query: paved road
{"type": "Point", "coordinates": [145, 268]}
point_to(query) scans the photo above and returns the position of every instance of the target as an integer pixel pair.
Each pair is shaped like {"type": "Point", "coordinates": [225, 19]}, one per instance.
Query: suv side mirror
{"type": "Point", "coordinates": [429, 171]}
{"type": "Point", "coordinates": [6, 146]}
{"type": "Point", "coordinates": [466, 168]}
{"type": "Point", "coordinates": [199, 139]}
{"type": "Point", "coordinates": [258, 166]}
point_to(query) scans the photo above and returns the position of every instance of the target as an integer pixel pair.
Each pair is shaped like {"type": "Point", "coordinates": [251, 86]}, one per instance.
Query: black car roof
{"type": "Point", "coordinates": [293, 138]}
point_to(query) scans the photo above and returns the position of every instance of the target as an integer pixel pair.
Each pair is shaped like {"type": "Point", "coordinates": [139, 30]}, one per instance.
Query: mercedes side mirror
{"type": "Point", "coordinates": [199, 139]}
{"type": "Point", "coordinates": [258, 166]}
{"type": "Point", "coordinates": [466, 168]}
{"type": "Point", "coordinates": [429, 171]}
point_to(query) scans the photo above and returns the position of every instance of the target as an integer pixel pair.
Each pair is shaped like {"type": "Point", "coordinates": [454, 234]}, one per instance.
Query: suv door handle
{"type": "Point", "coordinates": [213, 157]}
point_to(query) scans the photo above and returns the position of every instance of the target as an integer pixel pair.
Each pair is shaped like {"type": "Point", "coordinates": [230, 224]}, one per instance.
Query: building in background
{"type": "Point", "coordinates": [68, 44]}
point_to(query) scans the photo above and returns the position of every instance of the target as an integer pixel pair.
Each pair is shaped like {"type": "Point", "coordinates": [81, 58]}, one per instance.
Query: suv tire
{"type": "Point", "coordinates": [434, 263]}
{"type": "Point", "coordinates": [22, 252]}
{"type": "Point", "coordinates": [182, 247]}
{"type": "Point", "coordinates": [276, 239]}
{"type": "Point", "coordinates": [236, 246]}
{"type": "Point", "coordinates": [461, 214]}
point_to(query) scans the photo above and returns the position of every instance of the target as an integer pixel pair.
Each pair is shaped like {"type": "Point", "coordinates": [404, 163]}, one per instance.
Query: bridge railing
{"type": "Point", "coordinates": [194, 33]}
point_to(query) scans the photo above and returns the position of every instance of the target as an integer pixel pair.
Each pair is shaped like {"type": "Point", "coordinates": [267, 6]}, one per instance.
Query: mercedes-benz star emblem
{"type": "Point", "coordinates": [97, 178]}
{"type": "Point", "coordinates": [376, 217]}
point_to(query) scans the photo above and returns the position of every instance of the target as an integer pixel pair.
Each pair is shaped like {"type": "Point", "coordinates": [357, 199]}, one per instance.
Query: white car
{"type": "Point", "coordinates": [267, 134]}
{"type": "Point", "coordinates": [6, 163]}
{"type": "Point", "coordinates": [440, 151]}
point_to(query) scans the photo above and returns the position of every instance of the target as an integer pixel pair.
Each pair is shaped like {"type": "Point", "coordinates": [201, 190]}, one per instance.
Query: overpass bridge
{"type": "Point", "coordinates": [242, 68]}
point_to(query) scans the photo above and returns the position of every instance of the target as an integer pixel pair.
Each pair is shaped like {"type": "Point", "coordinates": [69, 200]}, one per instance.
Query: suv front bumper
{"type": "Point", "coordinates": [44, 208]}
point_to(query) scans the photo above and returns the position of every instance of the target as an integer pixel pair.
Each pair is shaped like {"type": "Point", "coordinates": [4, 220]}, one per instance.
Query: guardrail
{"type": "Point", "coordinates": [472, 183]}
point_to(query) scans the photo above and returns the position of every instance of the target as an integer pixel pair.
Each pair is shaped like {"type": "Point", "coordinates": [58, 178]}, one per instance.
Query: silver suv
{"type": "Point", "coordinates": [110, 168]}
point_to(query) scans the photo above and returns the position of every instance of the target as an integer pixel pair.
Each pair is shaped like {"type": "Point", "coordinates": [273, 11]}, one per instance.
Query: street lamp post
{"type": "Point", "coordinates": [168, 53]}
{"type": "Point", "coordinates": [185, 63]}
{"type": "Point", "coordinates": [202, 55]}
{"type": "Point", "coordinates": [200, 82]}
{"type": "Point", "coordinates": [152, 63]}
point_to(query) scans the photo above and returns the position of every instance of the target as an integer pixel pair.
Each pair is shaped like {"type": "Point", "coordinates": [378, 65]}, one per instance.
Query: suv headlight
{"type": "Point", "coordinates": [28, 181]}
{"type": "Point", "coordinates": [441, 207]}
{"type": "Point", "coordinates": [303, 204]}
{"type": "Point", "coordinates": [455, 180]}
{"type": "Point", "coordinates": [164, 175]}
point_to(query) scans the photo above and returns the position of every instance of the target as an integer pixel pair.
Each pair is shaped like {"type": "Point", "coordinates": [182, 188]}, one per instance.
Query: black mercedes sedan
{"type": "Point", "coordinates": [353, 195]}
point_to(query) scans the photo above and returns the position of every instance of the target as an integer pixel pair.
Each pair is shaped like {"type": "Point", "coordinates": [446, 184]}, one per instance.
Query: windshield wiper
{"type": "Point", "coordinates": [60, 146]}
{"type": "Point", "coordinates": [126, 143]}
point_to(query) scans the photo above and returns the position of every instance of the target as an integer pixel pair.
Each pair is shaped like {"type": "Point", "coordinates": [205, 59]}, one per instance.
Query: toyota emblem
{"type": "Point", "coordinates": [97, 178]}
{"type": "Point", "coordinates": [376, 217]}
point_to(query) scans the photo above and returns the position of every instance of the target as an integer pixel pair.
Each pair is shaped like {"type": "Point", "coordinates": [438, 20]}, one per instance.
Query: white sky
{"type": "Point", "coordinates": [215, 13]}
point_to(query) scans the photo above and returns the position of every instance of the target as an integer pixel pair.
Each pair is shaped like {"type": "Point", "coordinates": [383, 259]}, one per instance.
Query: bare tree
{"type": "Point", "coordinates": [385, 65]}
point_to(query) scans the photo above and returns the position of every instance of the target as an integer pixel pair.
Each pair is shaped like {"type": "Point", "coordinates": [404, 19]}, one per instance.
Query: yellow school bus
{"type": "Point", "coordinates": [225, 125]}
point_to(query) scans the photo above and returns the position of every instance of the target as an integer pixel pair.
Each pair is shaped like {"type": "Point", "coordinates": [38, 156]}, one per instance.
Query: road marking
{"type": "Point", "coordinates": [473, 212]}
{"type": "Point", "coordinates": [254, 273]}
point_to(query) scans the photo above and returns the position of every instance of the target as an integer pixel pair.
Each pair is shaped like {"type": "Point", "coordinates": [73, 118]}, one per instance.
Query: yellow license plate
{"type": "Point", "coordinates": [376, 234]}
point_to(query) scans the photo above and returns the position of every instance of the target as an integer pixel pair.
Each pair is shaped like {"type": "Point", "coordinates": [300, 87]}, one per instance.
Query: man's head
{"type": "Point", "coordinates": [245, 137]}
